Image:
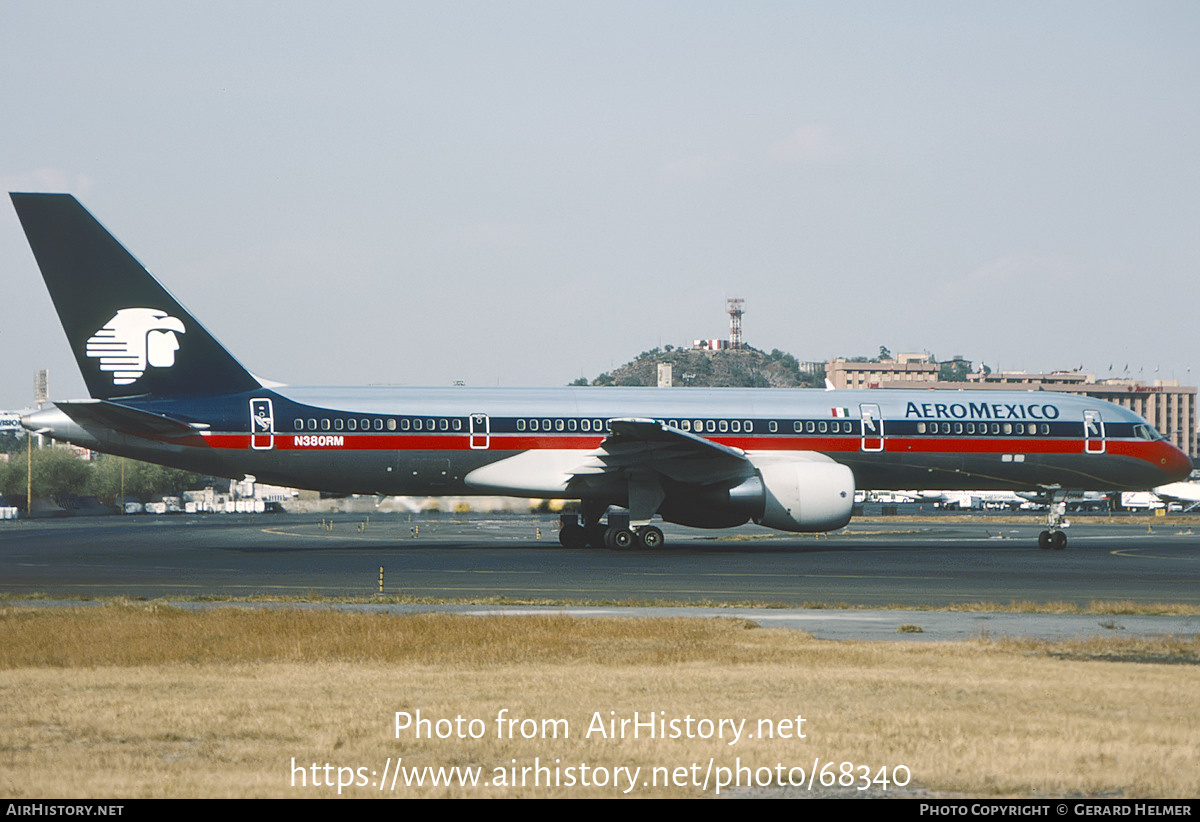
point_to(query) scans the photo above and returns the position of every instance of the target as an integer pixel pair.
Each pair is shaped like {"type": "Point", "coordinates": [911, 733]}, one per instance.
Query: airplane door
{"type": "Point", "coordinates": [1093, 433]}
{"type": "Point", "coordinates": [262, 425]}
{"type": "Point", "coordinates": [480, 431]}
{"type": "Point", "coordinates": [872, 426]}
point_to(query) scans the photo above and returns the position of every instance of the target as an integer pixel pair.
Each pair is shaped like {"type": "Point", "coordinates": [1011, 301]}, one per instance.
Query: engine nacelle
{"type": "Point", "coordinates": [810, 494]}
{"type": "Point", "coordinates": [800, 492]}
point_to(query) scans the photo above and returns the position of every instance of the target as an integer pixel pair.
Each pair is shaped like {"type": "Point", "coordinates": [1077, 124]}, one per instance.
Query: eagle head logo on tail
{"type": "Point", "coordinates": [134, 339]}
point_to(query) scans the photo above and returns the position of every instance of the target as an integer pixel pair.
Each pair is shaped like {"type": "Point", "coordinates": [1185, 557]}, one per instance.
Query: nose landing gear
{"type": "Point", "coordinates": [1053, 538]}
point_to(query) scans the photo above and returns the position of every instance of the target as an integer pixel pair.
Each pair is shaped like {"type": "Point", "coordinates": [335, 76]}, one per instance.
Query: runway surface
{"type": "Point", "coordinates": [903, 562]}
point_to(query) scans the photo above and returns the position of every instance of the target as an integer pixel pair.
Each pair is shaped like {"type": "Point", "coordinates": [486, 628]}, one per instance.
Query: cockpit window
{"type": "Point", "coordinates": [1146, 432]}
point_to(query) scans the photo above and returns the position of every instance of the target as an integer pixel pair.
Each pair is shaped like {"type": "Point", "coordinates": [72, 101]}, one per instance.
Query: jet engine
{"type": "Point", "coordinates": [795, 493]}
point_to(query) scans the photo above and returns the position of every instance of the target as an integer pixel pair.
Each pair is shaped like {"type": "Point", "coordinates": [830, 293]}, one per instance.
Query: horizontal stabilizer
{"type": "Point", "coordinates": [110, 416]}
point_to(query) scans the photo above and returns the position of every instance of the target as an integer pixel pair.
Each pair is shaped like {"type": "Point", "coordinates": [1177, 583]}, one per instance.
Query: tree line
{"type": "Point", "coordinates": [60, 472]}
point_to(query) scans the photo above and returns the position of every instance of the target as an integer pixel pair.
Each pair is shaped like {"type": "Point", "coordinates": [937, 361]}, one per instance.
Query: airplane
{"type": "Point", "coordinates": [1186, 493]}
{"type": "Point", "coordinates": [164, 390]}
{"type": "Point", "coordinates": [974, 499]}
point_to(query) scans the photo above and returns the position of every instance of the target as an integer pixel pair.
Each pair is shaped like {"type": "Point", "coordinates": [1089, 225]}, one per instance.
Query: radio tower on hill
{"type": "Point", "coordinates": [734, 306]}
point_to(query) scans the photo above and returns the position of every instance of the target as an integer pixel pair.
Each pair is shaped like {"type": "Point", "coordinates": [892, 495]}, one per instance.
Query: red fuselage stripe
{"type": "Point", "coordinates": [1137, 449]}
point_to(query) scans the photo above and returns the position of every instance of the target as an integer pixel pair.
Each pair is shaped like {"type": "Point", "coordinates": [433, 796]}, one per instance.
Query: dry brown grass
{"type": "Point", "coordinates": [1097, 607]}
{"type": "Point", "coordinates": [128, 701]}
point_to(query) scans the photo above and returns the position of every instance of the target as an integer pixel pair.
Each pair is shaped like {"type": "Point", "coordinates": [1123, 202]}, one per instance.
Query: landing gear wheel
{"type": "Point", "coordinates": [620, 539]}
{"type": "Point", "coordinates": [650, 537]}
{"type": "Point", "coordinates": [572, 536]}
{"type": "Point", "coordinates": [1052, 540]}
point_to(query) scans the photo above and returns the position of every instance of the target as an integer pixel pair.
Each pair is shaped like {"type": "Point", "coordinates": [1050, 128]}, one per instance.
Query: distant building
{"type": "Point", "coordinates": [901, 372]}
{"type": "Point", "coordinates": [1022, 378]}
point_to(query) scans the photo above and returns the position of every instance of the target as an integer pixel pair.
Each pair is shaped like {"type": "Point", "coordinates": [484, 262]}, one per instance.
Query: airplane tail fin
{"type": "Point", "coordinates": [129, 335]}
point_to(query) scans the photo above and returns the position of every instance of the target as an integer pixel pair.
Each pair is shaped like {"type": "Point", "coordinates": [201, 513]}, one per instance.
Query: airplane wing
{"type": "Point", "coordinates": [639, 445]}
{"type": "Point", "coordinates": [637, 448]}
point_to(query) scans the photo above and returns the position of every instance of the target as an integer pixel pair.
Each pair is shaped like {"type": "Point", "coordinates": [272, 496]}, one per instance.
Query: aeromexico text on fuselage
{"type": "Point", "coordinates": [982, 411]}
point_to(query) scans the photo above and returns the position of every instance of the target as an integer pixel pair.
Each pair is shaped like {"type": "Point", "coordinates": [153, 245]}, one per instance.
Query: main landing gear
{"type": "Point", "coordinates": [618, 534]}
{"type": "Point", "coordinates": [1053, 538]}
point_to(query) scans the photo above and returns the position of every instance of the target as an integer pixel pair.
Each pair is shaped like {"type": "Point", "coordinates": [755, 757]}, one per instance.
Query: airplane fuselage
{"type": "Point", "coordinates": [430, 441]}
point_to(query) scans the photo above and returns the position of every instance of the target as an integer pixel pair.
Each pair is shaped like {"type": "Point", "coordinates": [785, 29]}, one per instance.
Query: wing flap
{"type": "Point", "coordinates": [640, 445]}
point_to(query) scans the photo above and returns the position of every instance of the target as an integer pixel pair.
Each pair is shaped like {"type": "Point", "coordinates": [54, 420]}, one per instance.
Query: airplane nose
{"type": "Point", "coordinates": [1176, 464]}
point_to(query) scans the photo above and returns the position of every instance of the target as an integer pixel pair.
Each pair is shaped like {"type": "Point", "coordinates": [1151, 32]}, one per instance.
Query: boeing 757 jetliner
{"type": "Point", "coordinates": [164, 390]}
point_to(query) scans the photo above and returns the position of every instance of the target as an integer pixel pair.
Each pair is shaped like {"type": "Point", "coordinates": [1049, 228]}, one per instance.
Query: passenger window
{"type": "Point", "coordinates": [312, 424]}
{"type": "Point", "coordinates": [822, 426]}
{"type": "Point", "coordinates": [797, 426]}
{"type": "Point", "coordinates": [533, 425]}
{"type": "Point", "coordinates": [338, 424]}
{"type": "Point", "coordinates": [558, 425]}
{"type": "Point", "coordinates": [520, 425]}
{"type": "Point", "coordinates": [711, 427]}
{"type": "Point", "coordinates": [299, 425]}
{"type": "Point", "coordinates": [366, 425]}
{"type": "Point", "coordinates": [735, 426]}
{"type": "Point", "coordinates": [723, 426]}
{"type": "Point", "coordinates": [404, 424]}
{"type": "Point", "coordinates": [444, 424]}
{"type": "Point", "coordinates": [391, 424]}
{"type": "Point", "coordinates": [571, 425]}
{"type": "Point", "coordinates": [810, 427]}
{"type": "Point", "coordinates": [325, 424]}
{"type": "Point", "coordinates": [747, 427]}
{"type": "Point", "coordinates": [352, 424]}
{"type": "Point", "coordinates": [417, 424]}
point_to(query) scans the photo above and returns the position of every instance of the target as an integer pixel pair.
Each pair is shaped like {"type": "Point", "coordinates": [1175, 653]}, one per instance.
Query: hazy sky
{"type": "Point", "coordinates": [524, 193]}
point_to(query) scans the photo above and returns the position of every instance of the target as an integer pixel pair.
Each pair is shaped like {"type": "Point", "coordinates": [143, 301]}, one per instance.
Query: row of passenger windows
{"type": "Point", "coordinates": [380, 423]}
{"type": "Point", "coordinates": [568, 425]}
{"type": "Point", "coordinates": [596, 426]}
{"type": "Point", "coordinates": [982, 428]}
{"type": "Point", "coordinates": [585, 425]}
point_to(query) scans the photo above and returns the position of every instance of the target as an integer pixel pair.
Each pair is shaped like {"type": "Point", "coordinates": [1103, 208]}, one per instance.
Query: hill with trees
{"type": "Point", "coordinates": [742, 368]}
